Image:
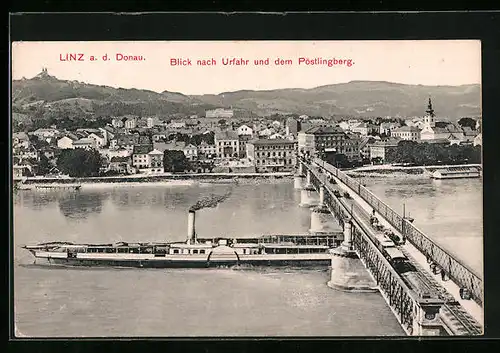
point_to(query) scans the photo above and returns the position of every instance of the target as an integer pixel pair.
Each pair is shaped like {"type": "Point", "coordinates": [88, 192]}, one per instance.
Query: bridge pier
{"type": "Point", "coordinates": [298, 180]}
{"type": "Point", "coordinates": [307, 196]}
{"type": "Point", "coordinates": [348, 273]}
{"type": "Point", "coordinates": [322, 196]}
{"type": "Point", "coordinates": [301, 169]}
{"type": "Point", "coordinates": [427, 321]}
{"type": "Point", "coordinates": [322, 221]}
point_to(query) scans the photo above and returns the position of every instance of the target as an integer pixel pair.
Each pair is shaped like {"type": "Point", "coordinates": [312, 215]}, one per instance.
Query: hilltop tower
{"type": "Point", "coordinates": [429, 117]}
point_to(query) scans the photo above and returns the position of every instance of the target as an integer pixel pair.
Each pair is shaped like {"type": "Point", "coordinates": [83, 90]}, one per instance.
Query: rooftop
{"type": "Point", "coordinates": [120, 159]}
{"type": "Point", "coordinates": [316, 130]}
{"type": "Point", "coordinates": [155, 152]}
{"type": "Point", "coordinates": [226, 135]}
{"type": "Point", "coordinates": [142, 149]}
{"type": "Point", "coordinates": [83, 141]}
{"type": "Point", "coordinates": [407, 129]}
{"type": "Point", "coordinates": [271, 142]}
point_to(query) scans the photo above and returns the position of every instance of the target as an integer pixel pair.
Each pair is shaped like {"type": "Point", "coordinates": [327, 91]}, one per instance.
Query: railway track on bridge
{"type": "Point", "coordinates": [453, 314]}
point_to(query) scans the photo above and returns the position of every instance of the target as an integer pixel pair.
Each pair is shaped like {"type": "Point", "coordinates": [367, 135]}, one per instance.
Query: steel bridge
{"type": "Point", "coordinates": [417, 312]}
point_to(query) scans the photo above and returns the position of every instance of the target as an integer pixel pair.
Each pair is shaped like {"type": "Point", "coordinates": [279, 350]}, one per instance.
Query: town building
{"type": "Point", "coordinates": [121, 165]}
{"type": "Point", "coordinates": [66, 142]}
{"type": "Point", "coordinates": [364, 146]}
{"type": "Point", "coordinates": [292, 127]}
{"type": "Point", "coordinates": [333, 138]}
{"type": "Point", "coordinates": [159, 136]}
{"type": "Point", "coordinates": [433, 131]}
{"type": "Point", "coordinates": [191, 152]}
{"type": "Point", "coordinates": [170, 146]}
{"type": "Point", "coordinates": [20, 139]}
{"type": "Point", "coordinates": [176, 125]}
{"type": "Point", "coordinates": [387, 128]}
{"type": "Point", "coordinates": [155, 161]}
{"type": "Point", "coordinates": [227, 144]}
{"type": "Point", "coordinates": [117, 122]}
{"type": "Point", "coordinates": [219, 113]}
{"type": "Point", "coordinates": [127, 141]}
{"type": "Point", "coordinates": [130, 123]}
{"type": "Point", "coordinates": [245, 130]}
{"type": "Point", "coordinates": [85, 143]}
{"type": "Point", "coordinates": [140, 156]}
{"type": "Point", "coordinates": [108, 132]}
{"type": "Point", "coordinates": [363, 128]}
{"type": "Point", "coordinates": [22, 169]}
{"type": "Point", "coordinates": [382, 149]}
{"type": "Point", "coordinates": [99, 139]}
{"type": "Point", "coordinates": [207, 150]}
{"type": "Point", "coordinates": [278, 155]}
{"type": "Point", "coordinates": [276, 135]}
{"type": "Point", "coordinates": [46, 133]}
{"type": "Point", "coordinates": [410, 133]}
{"type": "Point", "coordinates": [266, 132]}
{"type": "Point", "coordinates": [243, 139]}
{"type": "Point", "coordinates": [120, 152]}
{"type": "Point", "coordinates": [28, 153]}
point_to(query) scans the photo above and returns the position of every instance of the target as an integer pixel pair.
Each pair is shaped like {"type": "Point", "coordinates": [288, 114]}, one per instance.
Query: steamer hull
{"type": "Point", "coordinates": [209, 260]}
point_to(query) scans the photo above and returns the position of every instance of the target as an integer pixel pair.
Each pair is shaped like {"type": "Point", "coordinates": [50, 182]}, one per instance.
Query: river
{"type": "Point", "coordinates": [449, 211]}
{"type": "Point", "coordinates": [52, 302]}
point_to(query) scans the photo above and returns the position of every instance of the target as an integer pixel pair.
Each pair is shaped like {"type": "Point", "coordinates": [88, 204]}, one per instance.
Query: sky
{"type": "Point", "coordinates": [445, 62]}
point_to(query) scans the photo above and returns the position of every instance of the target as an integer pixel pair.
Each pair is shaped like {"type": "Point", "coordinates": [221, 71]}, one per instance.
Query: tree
{"type": "Point", "coordinates": [467, 122]}
{"type": "Point", "coordinates": [174, 161]}
{"type": "Point", "coordinates": [43, 166]}
{"type": "Point", "coordinates": [79, 162]}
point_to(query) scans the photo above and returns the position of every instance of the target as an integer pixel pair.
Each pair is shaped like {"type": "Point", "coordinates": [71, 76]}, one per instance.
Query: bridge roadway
{"type": "Point", "coordinates": [458, 272]}
{"type": "Point", "coordinates": [452, 313]}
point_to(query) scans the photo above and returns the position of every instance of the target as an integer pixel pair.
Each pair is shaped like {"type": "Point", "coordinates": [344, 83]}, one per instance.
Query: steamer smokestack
{"type": "Point", "coordinates": [191, 236]}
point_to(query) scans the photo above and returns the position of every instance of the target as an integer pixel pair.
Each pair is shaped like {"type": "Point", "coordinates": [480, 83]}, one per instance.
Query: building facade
{"type": "Point", "coordinates": [320, 138]}
{"type": "Point", "coordinates": [227, 144]}
{"type": "Point", "coordinates": [382, 149]}
{"type": "Point", "coordinates": [191, 152]}
{"type": "Point", "coordinates": [276, 155]}
{"type": "Point", "coordinates": [219, 113]}
{"type": "Point", "coordinates": [245, 130]}
{"type": "Point", "coordinates": [409, 133]}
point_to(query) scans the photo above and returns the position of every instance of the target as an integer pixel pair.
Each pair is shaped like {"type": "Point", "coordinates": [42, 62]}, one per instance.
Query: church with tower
{"type": "Point", "coordinates": [441, 130]}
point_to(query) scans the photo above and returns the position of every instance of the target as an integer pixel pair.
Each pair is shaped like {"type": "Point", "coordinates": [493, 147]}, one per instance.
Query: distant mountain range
{"type": "Point", "coordinates": [46, 95]}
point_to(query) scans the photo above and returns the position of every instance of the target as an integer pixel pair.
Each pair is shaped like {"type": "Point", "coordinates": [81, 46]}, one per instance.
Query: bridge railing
{"type": "Point", "coordinates": [402, 299]}
{"type": "Point", "coordinates": [456, 270]}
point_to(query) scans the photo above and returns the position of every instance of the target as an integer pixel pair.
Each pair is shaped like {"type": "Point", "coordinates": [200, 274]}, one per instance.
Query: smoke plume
{"type": "Point", "coordinates": [210, 201]}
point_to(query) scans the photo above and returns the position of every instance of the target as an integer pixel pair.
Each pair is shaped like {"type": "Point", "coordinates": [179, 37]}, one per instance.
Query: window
{"type": "Point", "coordinates": [202, 251]}
{"type": "Point", "coordinates": [122, 250]}
{"type": "Point", "coordinates": [176, 251]}
{"type": "Point", "coordinates": [195, 251]}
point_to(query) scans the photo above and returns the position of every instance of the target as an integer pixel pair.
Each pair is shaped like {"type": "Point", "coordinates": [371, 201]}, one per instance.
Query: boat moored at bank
{"type": "Point", "coordinates": [456, 173]}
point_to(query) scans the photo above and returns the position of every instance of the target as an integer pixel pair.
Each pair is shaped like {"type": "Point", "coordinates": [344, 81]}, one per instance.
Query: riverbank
{"type": "Point", "coordinates": [160, 179]}
{"type": "Point", "coordinates": [398, 171]}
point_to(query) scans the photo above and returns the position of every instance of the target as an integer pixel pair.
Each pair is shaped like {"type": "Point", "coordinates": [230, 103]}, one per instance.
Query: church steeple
{"type": "Point", "coordinates": [429, 110]}
{"type": "Point", "coordinates": [429, 117]}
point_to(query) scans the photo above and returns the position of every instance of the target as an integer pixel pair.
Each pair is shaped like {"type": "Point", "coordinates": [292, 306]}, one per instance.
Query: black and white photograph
{"type": "Point", "coordinates": [247, 188]}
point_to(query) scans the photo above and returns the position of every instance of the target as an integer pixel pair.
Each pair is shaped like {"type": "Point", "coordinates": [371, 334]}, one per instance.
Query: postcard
{"type": "Point", "coordinates": [247, 188]}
